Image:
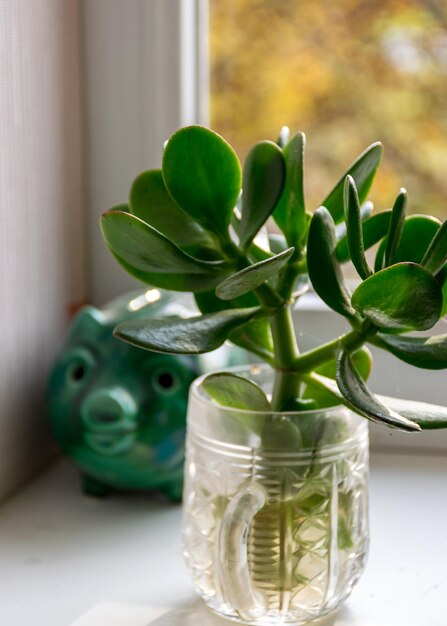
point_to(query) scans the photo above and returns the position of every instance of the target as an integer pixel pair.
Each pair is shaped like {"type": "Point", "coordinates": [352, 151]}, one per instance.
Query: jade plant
{"type": "Point", "coordinates": [198, 225]}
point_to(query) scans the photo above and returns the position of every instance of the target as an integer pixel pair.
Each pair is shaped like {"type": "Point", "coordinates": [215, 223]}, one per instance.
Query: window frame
{"type": "Point", "coordinates": [161, 74]}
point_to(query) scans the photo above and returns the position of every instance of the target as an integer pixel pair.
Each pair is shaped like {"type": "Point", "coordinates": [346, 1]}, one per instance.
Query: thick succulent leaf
{"type": "Point", "coordinates": [362, 360]}
{"type": "Point", "coordinates": [203, 175]}
{"type": "Point", "coordinates": [354, 231]}
{"type": "Point", "coordinates": [396, 226]}
{"type": "Point", "coordinates": [147, 249]}
{"type": "Point", "coordinates": [400, 298]}
{"type": "Point", "coordinates": [175, 281]}
{"type": "Point", "coordinates": [362, 171]}
{"type": "Point", "coordinates": [259, 250]}
{"type": "Point", "coordinates": [150, 201]}
{"type": "Point", "coordinates": [444, 296]}
{"type": "Point", "coordinates": [257, 253]}
{"type": "Point", "coordinates": [316, 397]}
{"type": "Point", "coordinates": [366, 210]}
{"type": "Point", "coordinates": [436, 255]}
{"type": "Point", "coordinates": [251, 277]}
{"type": "Point", "coordinates": [417, 234]}
{"type": "Point", "coordinates": [290, 212]}
{"type": "Point", "coordinates": [418, 231]}
{"type": "Point", "coordinates": [361, 398]}
{"type": "Point", "coordinates": [194, 335]}
{"type": "Point", "coordinates": [425, 352]}
{"type": "Point", "coordinates": [427, 416]}
{"type": "Point", "coordinates": [263, 181]}
{"type": "Point", "coordinates": [324, 269]}
{"type": "Point", "coordinates": [254, 336]}
{"type": "Point", "coordinates": [277, 243]}
{"type": "Point", "coordinates": [124, 208]}
{"type": "Point", "coordinates": [235, 392]}
{"type": "Point", "coordinates": [144, 252]}
{"type": "Point", "coordinates": [373, 228]}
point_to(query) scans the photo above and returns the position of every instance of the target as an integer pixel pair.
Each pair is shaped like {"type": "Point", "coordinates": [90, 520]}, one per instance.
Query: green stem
{"type": "Point", "coordinates": [286, 383]}
{"type": "Point", "coordinates": [312, 359]}
{"type": "Point", "coordinates": [291, 274]}
{"type": "Point", "coordinates": [284, 339]}
{"type": "Point", "coordinates": [268, 296]}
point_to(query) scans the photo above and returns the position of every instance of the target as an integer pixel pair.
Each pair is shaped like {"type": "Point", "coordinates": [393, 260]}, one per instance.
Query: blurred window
{"type": "Point", "coordinates": [346, 73]}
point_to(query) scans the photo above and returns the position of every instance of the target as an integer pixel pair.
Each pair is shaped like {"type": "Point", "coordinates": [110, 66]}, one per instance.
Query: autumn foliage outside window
{"type": "Point", "coordinates": [346, 73]}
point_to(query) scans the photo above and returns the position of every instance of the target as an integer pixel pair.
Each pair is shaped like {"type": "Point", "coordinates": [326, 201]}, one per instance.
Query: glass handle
{"type": "Point", "coordinates": [234, 575]}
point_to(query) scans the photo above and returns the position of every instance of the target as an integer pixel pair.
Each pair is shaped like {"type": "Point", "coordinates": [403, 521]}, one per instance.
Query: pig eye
{"type": "Point", "coordinates": [165, 382]}
{"type": "Point", "coordinates": [80, 363]}
{"type": "Point", "coordinates": [78, 373]}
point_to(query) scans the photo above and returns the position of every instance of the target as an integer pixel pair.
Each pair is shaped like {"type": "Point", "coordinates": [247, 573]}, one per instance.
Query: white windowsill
{"type": "Point", "coordinates": [62, 552]}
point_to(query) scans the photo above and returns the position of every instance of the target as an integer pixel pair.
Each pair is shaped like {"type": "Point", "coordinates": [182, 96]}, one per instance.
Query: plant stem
{"type": "Point", "coordinates": [286, 353]}
{"type": "Point", "coordinates": [289, 278]}
{"type": "Point", "coordinates": [314, 358]}
{"type": "Point", "coordinates": [284, 339]}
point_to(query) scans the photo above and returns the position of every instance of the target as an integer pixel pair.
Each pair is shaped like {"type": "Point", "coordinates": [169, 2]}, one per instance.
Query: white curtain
{"type": "Point", "coordinates": [41, 210]}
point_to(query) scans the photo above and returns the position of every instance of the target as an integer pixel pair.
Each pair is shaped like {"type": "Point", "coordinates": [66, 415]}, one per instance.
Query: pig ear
{"type": "Point", "coordinates": [135, 304]}
{"type": "Point", "coordinates": [88, 319]}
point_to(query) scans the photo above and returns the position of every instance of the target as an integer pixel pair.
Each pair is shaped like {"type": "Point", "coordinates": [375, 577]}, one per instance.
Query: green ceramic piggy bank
{"type": "Point", "coordinates": [117, 411]}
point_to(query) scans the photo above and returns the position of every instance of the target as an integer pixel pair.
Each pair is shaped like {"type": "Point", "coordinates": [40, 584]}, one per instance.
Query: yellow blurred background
{"type": "Point", "coordinates": [346, 73]}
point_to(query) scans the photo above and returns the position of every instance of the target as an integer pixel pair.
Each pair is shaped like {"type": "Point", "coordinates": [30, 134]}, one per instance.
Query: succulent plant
{"type": "Point", "coordinates": [198, 225]}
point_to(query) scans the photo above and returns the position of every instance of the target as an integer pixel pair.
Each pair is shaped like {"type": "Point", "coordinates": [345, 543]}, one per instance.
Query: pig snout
{"type": "Point", "coordinates": [109, 419]}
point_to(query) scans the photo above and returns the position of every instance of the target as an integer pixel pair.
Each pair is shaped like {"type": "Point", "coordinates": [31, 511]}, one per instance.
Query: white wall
{"type": "Point", "coordinates": [143, 80]}
{"type": "Point", "coordinates": [42, 266]}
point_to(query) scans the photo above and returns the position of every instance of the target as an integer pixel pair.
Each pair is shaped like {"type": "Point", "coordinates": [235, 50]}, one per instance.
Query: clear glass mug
{"type": "Point", "coordinates": [275, 518]}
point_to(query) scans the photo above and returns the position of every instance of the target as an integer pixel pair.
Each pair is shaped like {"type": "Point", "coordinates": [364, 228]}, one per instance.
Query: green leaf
{"type": "Point", "coordinates": [150, 201]}
{"type": "Point", "coordinates": [324, 269]}
{"type": "Point", "coordinates": [425, 352]}
{"type": "Point", "coordinates": [194, 335]}
{"type": "Point", "coordinates": [263, 180]}
{"type": "Point", "coordinates": [362, 360]}
{"type": "Point", "coordinates": [417, 233]}
{"type": "Point", "coordinates": [366, 210]}
{"type": "Point", "coordinates": [254, 336]}
{"type": "Point", "coordinates": [230, 390]}
{"type": "Point", "coordinates": [354, 231]}
{"type": "Point", "coordinates": [444, 296]}
{"type": "Point", "coordinates": [124, 208]}
{"type": "Point", "coordinates": [400, 298]}
{"type": "Point", "coordinates": [147, 249]}
{"type": "Point", "coordinates": [290, 211]}
{"type": "Point", "coordinates": [395, 229]}
{"type": "Point", "coordinates": [277, 243]}
{"type": "Point", "coordinates": [251, 277]}
{"type": "Point", "coordinates": [373, 228]}
{"type": "Point", "coordinates": [362, 400]}
{"type": "Point", "coordinates": [150, 256]}
{"type": "Point", "coordinates": [427, 416]}
{"type": "Point", "coordinates": [203, 175]}
{"type": "Point", "coordinates": [436, 255]}
{"type": "Point", "coordinates": [257, 253]}
{"type": "Point", "coordinates": [362, 171]}
{"type": "Point", "coordinates": [176, 281]}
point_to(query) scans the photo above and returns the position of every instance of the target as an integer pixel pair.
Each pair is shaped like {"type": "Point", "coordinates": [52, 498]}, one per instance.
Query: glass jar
{"type": "Point", "coordinates": [275, 518]}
